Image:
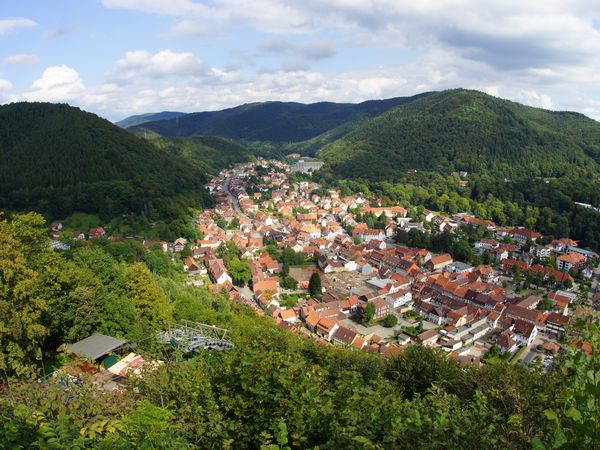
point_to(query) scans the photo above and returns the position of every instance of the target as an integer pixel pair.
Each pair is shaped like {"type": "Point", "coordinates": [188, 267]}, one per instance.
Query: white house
{"type": "Point", "coordinates": [399, 298]}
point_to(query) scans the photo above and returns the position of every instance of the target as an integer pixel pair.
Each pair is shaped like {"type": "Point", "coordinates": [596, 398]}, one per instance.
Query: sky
{"type": "Point", "coordinates": [122, 57]}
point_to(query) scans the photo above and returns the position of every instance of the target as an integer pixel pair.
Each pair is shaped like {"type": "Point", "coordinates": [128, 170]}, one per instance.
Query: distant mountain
{"type": "Point", "coordinates": [150, 117]}
{"type": "Point", "coordinates": [270, 121]}
{"type": "Point", "coordinates": [57, 159]}
{"type": "Point", "coordinates": [464, 130]}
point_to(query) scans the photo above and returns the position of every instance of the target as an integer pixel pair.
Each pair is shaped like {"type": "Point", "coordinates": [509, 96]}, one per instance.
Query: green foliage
{"type": "Point", "coordinates": [287, 282]}
{"type": "Point", "coordinates": [545, 304]}
{"type": "Point", "coordinates": [459, 244]}
{"type": "Point", "coordinates": [288, 256]}
{"type": "Point", "coordinates": [467, 130]}
{"type": "Point", "coordinates": [314, 286]}
{"type": "Point", "coordinates": [410, 314]}
{"type": "Point", "coordinates": [576, 417]}
{"type": "Point", "coordinates": [368, 312]}
{"type": "Point", "coordinates": [208, 154]}
{"type": "Point", "coordinates": [150, 117]}
{"type": "Point", "coordinates": [237, 268]}
{"type": "Point", "coordinates": [390, 321]}
{"type": "Point", "coordinates": [148, 298]}
{"type": "Point", "coordinates": [273, 122]}
{"type": "Point", "coordinates": [58, 159]}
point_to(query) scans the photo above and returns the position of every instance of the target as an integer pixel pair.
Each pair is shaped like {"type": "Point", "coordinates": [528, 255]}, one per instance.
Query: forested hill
{"type": "Point", "coordinates": [271, 121]}
{"type": "Point", "coordinates": [466, 130]}
{"type": "Point", "coordinates": [57, 159]}
{"type": "Point", "coordinates": [132, 121]}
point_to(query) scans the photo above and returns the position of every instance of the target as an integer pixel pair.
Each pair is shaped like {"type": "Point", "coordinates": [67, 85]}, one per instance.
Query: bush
{"type": "Point", "coordinates": [390, 321]}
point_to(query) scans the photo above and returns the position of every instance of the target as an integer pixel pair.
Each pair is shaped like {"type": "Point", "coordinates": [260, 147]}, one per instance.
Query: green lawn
{"type": "Point", "coordinates": [517, 355]}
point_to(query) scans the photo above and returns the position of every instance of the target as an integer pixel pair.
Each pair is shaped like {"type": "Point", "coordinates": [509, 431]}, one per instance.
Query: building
{"type": "Point", "coordinates": [326, 327]}
{"type": "Point", "coordinates": [399, 298]}
{"type": "Point", "coordinates": [507, 342]}
{"type": "Point", "coordinates": [525, 332]}
{"type": "Point", "coordinates": [555, 324]}
{"type": "Point", "coordinates": [97, 232]}
{"type": "Point", "coordinates": [428, 338]}
{"type": "Point", "coordinates": [344, 336]}
{"type": "Point", "coordinates": [217, 271]}
{"type": "Point", "coordinates": [570, 261]}
{"type": "Point", "coordinates": [438, 262]}
{"type": "Point", "coordinates": [382, 308]}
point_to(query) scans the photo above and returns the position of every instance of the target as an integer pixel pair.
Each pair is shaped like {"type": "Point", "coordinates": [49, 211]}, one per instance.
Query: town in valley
{"type": "Point", "coordinates": [335, 268]}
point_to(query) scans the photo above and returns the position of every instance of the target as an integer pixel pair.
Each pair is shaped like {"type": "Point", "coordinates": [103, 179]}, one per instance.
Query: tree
{"type": "Point", "coordinates": [545, 304]}
{"type": "Point", "coordinates": [390, 321]}
{"type": "Point", "coordinates": [516, 274]}
{"type": "Point", "coordinates": [22, 309]}
{"type": "Point", "coordinates": [239, 271]}
{"type": "Point", "coordinates": [368, 312]}
{"type": "Point", "coordinates": [575, 419]}
{"type": "Point", "coordinates": [287, 282]}
{"type": "Point", "coordinates": [314, 286]}
{"type": "Point", "coordinates": [149, 299]}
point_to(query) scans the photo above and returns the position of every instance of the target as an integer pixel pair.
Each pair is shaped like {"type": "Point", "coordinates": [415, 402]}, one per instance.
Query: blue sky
{"type": "Point", "coordinates": [123, 57]}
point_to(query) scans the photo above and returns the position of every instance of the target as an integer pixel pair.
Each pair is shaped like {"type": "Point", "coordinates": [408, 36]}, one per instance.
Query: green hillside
{"type": "Point", "coordinates": [206, 153]}
{"type": "Point", "coordinates": [467, 130]}
{"type": "Point", "coordinates": [139, 119]}
{"type": "Point", "coordinates": [57, 159]}
{"type": "Point", "coordinates": [270, 121]}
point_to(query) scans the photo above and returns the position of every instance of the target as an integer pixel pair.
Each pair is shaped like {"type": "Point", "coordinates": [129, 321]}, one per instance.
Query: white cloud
{"type": "Point", "coordinates": [162, 7]}
{"type": "Point", "coordinates": [192, 27]}
{"type": "Point", "coordinates": [166, 63]}
{"type": "Point", "coordinates": [57, 84]}
{"type": "Point", "coordinates": [5, 85]}
{"type": "Point", "coordinates": [533, 98]}
{"type": "Point", "coordinates": [11, 24]}
{"type": "Point", "coordinates": [21, 58]}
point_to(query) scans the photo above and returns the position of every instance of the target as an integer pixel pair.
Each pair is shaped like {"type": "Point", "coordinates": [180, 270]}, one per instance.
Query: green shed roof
{"type": "Point", "coordinates": [95, 346]}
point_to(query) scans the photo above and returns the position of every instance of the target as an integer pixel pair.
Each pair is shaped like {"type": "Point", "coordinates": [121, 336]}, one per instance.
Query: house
{"type": "Point", "coordinates": [97, 232]}
{"type": "Point", "coordinates": [525, 332]}
{"type": "Point", "coordinates": [265, 300]}
{"type": "Point", "coordinates": [561, 302]}
{"type": "Point", "coordinates": [403, 339]}
{"type": "Point", "coordinates": [287, 315]}
{"type": "Point", "coordinates": [524, 314]}
{"type": "Point", "coordinates": [438, 262]}
{"type": "Point", "coordinates": [78, 235]}
{"type": "Point", "coordinates": [428, 338]}
{"type": "Point", "coordinates": [359, 342]}
{"type": "Point", "coordinates": [217, 271]}
{"type": "Point", "coordinates": [570, 261]}
{"type": "Point", "coordinates": [486, 244]}
{"type": "Point", "coordinates": [541, 251]}
{"type": "Point", "coordinates": [382, 308]}
{"type": "Point", "coordinates": [179, 244]}
{"type": "Point", "coordinates": [458, 267]}
{"type": "Point", "coordinates": [267, 263]}
{"type": "Point", "coordinates": [555, 324]}
{"type": "Point", "coordinates": [326, 327]}
{"type": "Point", "coordinates": [267, 285]}
{"type": "Point", "coordinates": [344, 336]}
{"type": "Point", "coordinates": [399, 298]}
{"type": "Point", "coordinates": [192, 267]}
{"type": "Point", "coordinates": [507, 342]}
{"type": "Point", "coordinates": [522, 235]}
